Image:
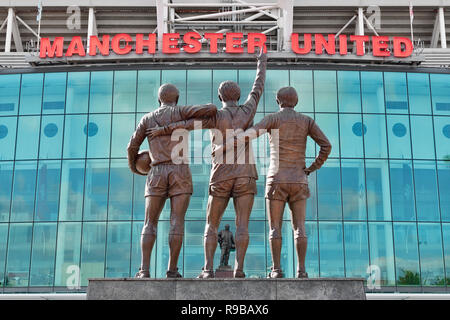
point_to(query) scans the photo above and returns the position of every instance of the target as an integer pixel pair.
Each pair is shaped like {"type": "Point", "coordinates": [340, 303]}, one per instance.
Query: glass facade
{"type": "Point", "coordinates": [68, 201]}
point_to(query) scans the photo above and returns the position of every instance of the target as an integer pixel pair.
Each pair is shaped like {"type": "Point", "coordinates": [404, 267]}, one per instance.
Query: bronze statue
{"type": "Point", "coordinates": [233, 179]}
{"type": "Point", "coordinates": [226, 242]}
{"type": "Point", "coordinates": [287, 176]}
{"type": "Point", "coordinates": [167, 177]}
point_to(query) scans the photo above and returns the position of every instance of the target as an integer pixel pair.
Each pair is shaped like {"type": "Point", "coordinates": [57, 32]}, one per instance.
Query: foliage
{"type": "Point", "coordinates": [409, 278]}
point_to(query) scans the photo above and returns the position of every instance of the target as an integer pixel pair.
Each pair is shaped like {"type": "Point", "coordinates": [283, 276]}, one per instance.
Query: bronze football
{"type": "Point", "coordinates": [143, 162]}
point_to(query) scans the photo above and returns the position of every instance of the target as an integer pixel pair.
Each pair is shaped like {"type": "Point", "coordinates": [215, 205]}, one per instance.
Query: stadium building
{"type": "Point", "coordinates": [75, 80]}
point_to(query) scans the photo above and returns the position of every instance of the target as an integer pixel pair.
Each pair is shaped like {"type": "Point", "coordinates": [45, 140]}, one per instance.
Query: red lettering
{"type": "Point", "coordinates": [170, 42]}
{"type": "Point", "coordinates": [295, 45]}
{"type": "Point", "coordinates": [115, 43]}
{"type": "Point", "coordinates": [343, 45]}
{"type": "Point", "coordinates": [213, 37]}
{"type": "Point", "coordinates": [48, 49]}
{"type": "Point", "coordinates": [233, 42]}
{"type": "Point", "coordinates": [76, 47]}
{"type": "Point", "coordinates": [380, 45]}
{"type": "Point", "coordinates": [321, 43]}
{"type": "Point", "coordinates": [399, 52]}
{"type": "Point", "coordinates": [150, 43]}
{"type": "Point", "coordinates": [359, 40]}
{"type": "Point", "coordinates": [256, 40]}
{"type": "Point", "coordinates": [192, 43]}
{"type": "Point", "coordinates": [103, 46]}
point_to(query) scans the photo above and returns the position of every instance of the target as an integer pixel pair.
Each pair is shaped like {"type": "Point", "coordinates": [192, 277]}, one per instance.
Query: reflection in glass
{"type": "Point", "coordinates": [382, 251]}
{"type": "Point", "coordinates": [124, 91]}
{"type": "Point", "coordinates": [9, 93]}
{"type": "Point", "coordinates": [122, 129]}
{"type": "Point", "coordinates": [178, 79]}
{"type": "Point", "coordinates": [47, 194]}
{"type": "Point", "coordinates": [54, 93]}
{"type": "Point", "coordinates": [22, 205]}
{"type": "Point", "coordinates": [6, 173]}
{"type": "Point", "coordinates": [120, 201]}
{"type": "Point", "coordinates": [402, 192]}
{"type": "Point", "coordinates": [99, 136]}
{"type": "Point", "coordinates": [398, 137]}
{"type": "Point", "coordinates": [72, 186]}
{"type": "Point", "coordinates": [101, 91]}
{"type": "Point", "coordinates": [422, 137]}
{"type": "Point", "coordinates": [325, 95]}
{"type": "Point", "coordinates": [18, 261]}
{"type": "Point", "coordinates": [28, 137]}
{"type": "Point", "coordinates": [118, 250]}
{"type": "Point", "coordinates": [7, 137]}
{"type": "Point", "coordinates": [329, 191]}
{"type": "Point", "coordinates": [372, 92]}
{"type": "Point", "coordinates": [276, 79]}
{"type": "Point", "coordinates": [43, 255]}
{"type": "Point", "coordinates": [193, 249]}
{"type": "Point", "coordinates": [356, 249]}
{"type": "Point", "coordinates": [255, 259]}
{"type": "Point", "coordinates": [31, 93]}
{"type": "Point", "coordinates": [349, 91]}
{"type": "Point", "coordinates": [331, 249]}
{"type": "Point", "coordinates": [74, 137]}
{"type": "Point", "coordinates": [396, 92]}
{"type": "Point", "coordinates": [199, 88]}
{"type": "Point", "coordinates": [96, 190]}
{"type": "Point", "coordinates": [93, 251]}
{"type": "Point", "coordinates": [147, 90]}
{"type": "Point", "coordinates": [375, 141]}
{"type": "Point", "coordinates": [419, 93]}
{"type": "Point", "coordinates": [245, 81]}
{"type": "Point", "coordinates": [440, 91]}
{"type": "Point", "coordinates": [406, 254]}
{"type": "Point", "coordinates": [430, 248]}
{"type": "Point", "coordinates": [67, 253]}
{"type": "Point", "coordinates": [302, 81]}
{"type": "Point", "coordinates": [328, 123]}
{"type": "Point", "coordinates": [51, 137]}
{"type": "Point", "coordinates": [426, 191]}
{"type": "Point", "coordinates": [378, 190]}
{"type": "Point", "coordinates": [77, 97]}
{"type": "Point", "coordinates": [446, 236]}
{"type": "Point", "coordinates": [3, 241]}
{"type": "Point", "coordinates": [444, 189]}
{"type": "Point", "coordinates": [351, 135]}
{"type": "Point", "coordinates": [353, 190]}
{"type": "Point", "coordinates": [442, 136]}
{"type": "Point", "coordinates": [312, 251]}
{"type": "Point", "coordinates": [136, 251]}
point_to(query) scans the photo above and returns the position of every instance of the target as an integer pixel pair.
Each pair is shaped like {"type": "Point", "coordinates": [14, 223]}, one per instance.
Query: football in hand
{"type": "Point", "coordinates": [143, 162]}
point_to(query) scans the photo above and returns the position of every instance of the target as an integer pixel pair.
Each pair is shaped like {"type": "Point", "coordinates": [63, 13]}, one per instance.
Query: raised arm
{"type": "Point", "coordinates": [135, 142]}
{"type": "Point", "coordinates": [198, 111]}
{"type": "Point", "coordinates": [325, 146]}
{"type": "Point", "coordinates": [258, 86]}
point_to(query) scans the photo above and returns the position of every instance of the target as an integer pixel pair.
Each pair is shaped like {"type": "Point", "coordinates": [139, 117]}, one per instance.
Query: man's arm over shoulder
{"type": "Point", "coordinates": [135, 142]}
{"type": "Point", "coordinates": [198, 111]}
{"type": "Point", "coordinates": [325, 146]}
{"type": "Point", "coordinates": [191, 124]}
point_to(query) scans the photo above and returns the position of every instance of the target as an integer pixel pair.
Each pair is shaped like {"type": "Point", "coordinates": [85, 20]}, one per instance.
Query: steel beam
{"type": "Point", "coordinates": [223, 14]}
{"type": "Point", "coordinates": [9, 28]}
{"type": "Point", "coordinates": [435, 35]}
{"type": "Point", "coordinates": [92, 27]}
{"type": "Point", "coordinates": [442, 28]}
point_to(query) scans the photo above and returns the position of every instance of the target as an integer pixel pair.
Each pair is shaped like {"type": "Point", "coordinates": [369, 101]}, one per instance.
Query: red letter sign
{"type": "Point", "coordinates": [256, 40]}
{"type": "Point", "coordinates": [170, 42]}
{"type": "Point", "coordinates": [192, 43]}
{"type": "Point", "coordinates": [150, 43]}
{"type": "Point", "coordinates": [115, 43]}
{"type": "Point", "coordinates": [102, 46]}
{"type": "Point", "coordinates": [343, 45]}
{"type": "Point", "coordinates": [380, 46]}
{"type": "Point", "coordinates": [359, 43]}
{"type": "Point", "coordinates": [47, 49]}
{"type": "Point", "coordinates": [76, 47]}
{"type": "Point", "coordinates": [330, 45]}
{"type": "Point", "coordinates": [213, 37]}
{"type": "Point", "coordinates": [295, 46]}
{"type": "Point", "coordinates": [234, 39]}
{"type": "Point", "coordinates": [398, 52]}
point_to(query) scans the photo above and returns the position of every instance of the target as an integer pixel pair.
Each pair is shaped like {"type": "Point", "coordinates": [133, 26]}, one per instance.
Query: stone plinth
{"type": "Point", "coordinates": [224, 272]}
{"type": "Point", "coordinates": [226, 289]}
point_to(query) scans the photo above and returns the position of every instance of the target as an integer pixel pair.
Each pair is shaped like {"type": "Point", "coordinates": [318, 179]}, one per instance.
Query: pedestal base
{"type": "Point", "coordinates": [224, 272]}
{"type": "Point", "coordinates": [226, 289]}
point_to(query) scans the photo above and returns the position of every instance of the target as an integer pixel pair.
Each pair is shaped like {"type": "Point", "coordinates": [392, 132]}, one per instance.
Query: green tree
{"type": "Point", "coordinates": [409, 278]}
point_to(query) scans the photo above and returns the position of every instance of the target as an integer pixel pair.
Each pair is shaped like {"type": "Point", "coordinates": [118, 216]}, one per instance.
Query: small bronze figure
{"type": "Point", "coordinates": [287, 180]}
{"type": "Point", "coordinates": [226, 242]}
{"type": "Point", "coordinates": [167, 178]}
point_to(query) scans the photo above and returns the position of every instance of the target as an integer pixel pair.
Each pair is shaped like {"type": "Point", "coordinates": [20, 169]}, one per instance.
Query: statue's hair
{"type": "Point", "coordinates": [229, 91]}
{"type": "Point", "coordinates": [168, 93]}
{"type": "Point", "coordinates": [287, 97]}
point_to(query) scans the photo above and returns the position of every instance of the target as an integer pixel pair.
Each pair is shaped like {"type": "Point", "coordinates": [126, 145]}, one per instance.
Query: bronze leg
{"type": "Point", "coordinates": [243, 206]}
{"type": "Point", "coordinates": [153, 208]}
{"type": "Point", "coordinates": [275, 210]}
{"type": "Point", "coordinates": [298, 213]}
{"type": "Point", "coordinates": [178, 207]}
{"type": "Point", "coordinates": [214, 212]}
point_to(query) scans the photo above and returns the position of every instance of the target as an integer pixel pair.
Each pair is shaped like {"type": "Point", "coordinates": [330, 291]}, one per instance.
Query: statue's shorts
{"type": "Point", "coordinates": [168, 180]}
{"type": "Point", "coordinates": [289, 192]}
{"type": "Point", "coordinates": [233, 187]}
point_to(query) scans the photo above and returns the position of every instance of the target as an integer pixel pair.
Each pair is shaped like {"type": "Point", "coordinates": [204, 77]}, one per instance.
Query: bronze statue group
{"type": "Point", "coordinates": [169, 175]}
